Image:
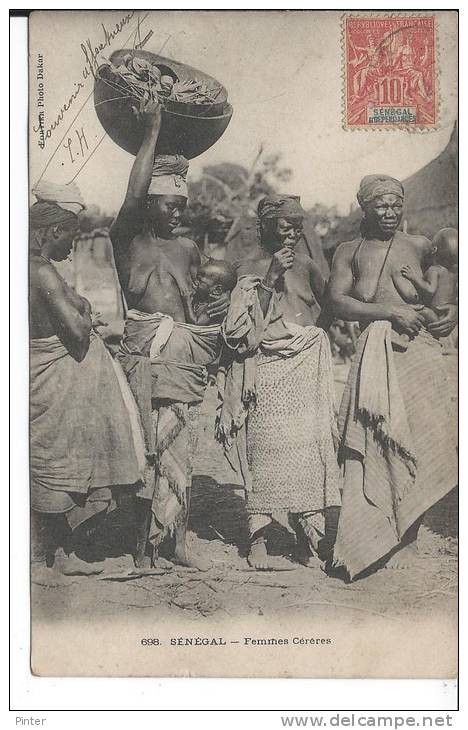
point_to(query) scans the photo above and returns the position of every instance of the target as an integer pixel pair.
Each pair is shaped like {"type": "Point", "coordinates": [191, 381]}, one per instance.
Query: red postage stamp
{"type": "Point", "coordinates": [390, 72]}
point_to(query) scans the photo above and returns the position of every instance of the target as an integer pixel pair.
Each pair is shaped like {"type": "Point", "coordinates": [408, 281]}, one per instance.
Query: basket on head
{"type": "Point", "coordinates": [195, 108]}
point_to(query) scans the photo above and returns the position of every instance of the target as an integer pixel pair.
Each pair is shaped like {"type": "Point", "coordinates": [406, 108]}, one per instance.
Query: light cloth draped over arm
{"type": "Point", "coordinates": [244, 327]}
{"type": "Point", "coordinates": [245, 331]}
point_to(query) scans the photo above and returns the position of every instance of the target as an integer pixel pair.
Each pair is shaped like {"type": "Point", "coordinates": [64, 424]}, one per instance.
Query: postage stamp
{"type": "Point", "coordinates": [390, 74]}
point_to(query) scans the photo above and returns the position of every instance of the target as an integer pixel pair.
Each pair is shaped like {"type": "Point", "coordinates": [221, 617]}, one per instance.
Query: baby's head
{"type": "Point", "coordinates": [214, 277]}
{"type": "Point", "coordinates": [445, 247]}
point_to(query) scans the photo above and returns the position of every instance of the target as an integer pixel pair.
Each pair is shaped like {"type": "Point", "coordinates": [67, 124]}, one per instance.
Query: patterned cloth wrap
{"type": "Point", "coordinates": [397, 443]}
{"type": "Point", "coordinates": [165, 363]}
{"type": "Point", "coordinates": [276, 416]}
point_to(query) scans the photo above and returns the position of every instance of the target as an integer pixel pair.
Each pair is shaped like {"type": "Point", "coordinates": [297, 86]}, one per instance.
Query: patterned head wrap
{"type": "Point", "coordinates": [169, 176]}
{"type": "Point", "coordinates": [67, 197]}
{"type": "Point", "coordinates": [280, 206]}
{"type": "Point", "coordinates": [43, 215]}
{"type": "Point", "coordinates": [373, 186]}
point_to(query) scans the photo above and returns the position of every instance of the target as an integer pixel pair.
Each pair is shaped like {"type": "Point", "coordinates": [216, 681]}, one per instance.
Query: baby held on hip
{"type": "Point", "coordinates": [215, 279]}
{"type": "Point", "coordinates": [446, 293]}
{"type": "Point", "coordinates": [438, 286]}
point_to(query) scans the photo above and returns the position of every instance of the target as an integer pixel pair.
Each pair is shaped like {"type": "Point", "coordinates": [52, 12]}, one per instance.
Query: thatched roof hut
{"type": "Point", "coordinates": [431, 198]}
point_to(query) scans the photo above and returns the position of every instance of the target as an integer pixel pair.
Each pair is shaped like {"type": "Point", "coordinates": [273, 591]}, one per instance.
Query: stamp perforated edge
{"type": "Point", "coordinates": [419, 128]}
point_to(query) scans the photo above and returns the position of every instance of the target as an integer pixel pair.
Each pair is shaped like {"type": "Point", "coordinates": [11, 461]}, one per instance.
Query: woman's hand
{"type": "Point", "coordinates": [149, 111]}
{"type": "Point", "coordinates": [446, 324]}
{"type": "Point", "coordinates": [407, 319]}
{"type": "Point", "coordinates": [281, 261]}
{"type": "Point", "coordinates": [219, 308]}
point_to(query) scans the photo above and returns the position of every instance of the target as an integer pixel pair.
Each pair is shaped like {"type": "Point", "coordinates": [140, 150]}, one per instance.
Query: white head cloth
{"type": "Point", "coordinates": [169, 176]}
{"type": "Point", "coordinates": [67, 197]}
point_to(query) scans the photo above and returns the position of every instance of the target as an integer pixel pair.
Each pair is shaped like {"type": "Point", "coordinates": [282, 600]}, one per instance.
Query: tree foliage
{"type": "Point", "coordinates": [227, 191]}
{"type": "Point", "coordinates": [92, 218]}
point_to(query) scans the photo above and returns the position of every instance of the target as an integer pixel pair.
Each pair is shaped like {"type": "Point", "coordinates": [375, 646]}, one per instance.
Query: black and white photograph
{"type": "Point", "coordinates": [243, 354]}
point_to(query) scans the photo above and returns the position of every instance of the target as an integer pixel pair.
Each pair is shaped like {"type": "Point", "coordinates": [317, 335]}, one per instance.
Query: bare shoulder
{"type": "Point", "coordinates": [306, 263]}
{"type": "Point", "coordinates": [188, 245]}
{"type": "Point", "coordinates": [45, 278]}
{"type": "Point", "coordinates": [249, 267]}
{"type": "Point", "coordinates": [346, 250]}
{"type": "Point", "coordinates": [190, 252]}
{"type": "Point", "coordinates": [418, 242]}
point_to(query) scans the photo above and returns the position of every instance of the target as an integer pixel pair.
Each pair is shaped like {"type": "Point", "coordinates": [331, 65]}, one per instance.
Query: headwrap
{"type": "Point", "coordinates": [43, 215]}
{"type": "Point", "coordinates": [67, 197]}
{"type": "Point", "coordinates": [169, 176]}
{"type": "Point", "coordinates": [373, 186]}
{"type": "Point", "coordinates": [280, 206]}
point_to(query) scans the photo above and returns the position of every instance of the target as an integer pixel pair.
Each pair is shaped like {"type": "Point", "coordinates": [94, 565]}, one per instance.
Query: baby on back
{"type": "Point", "coordinates": [214, 278]}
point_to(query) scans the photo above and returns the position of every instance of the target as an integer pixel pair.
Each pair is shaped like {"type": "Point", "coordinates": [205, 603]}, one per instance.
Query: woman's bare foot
{"type": "Point", "coordinates": [142, 562]}
{"type": "Point", "coordinates": [73, 565]}
{"type": "Point", "coordinates": [182, 557]}
{"type": "Point", "coordinates": [310, 561]}
{"type": "Point", "coordinates": [406, 557]}
{"type": "Point", "coordinates": [258, 557]}
{"type": "Point", "coordinates": [40, 571]}
{"type": "Point", "coordinates": [159, 562]}
{"type": "Point", "coordinates": [307, 547]}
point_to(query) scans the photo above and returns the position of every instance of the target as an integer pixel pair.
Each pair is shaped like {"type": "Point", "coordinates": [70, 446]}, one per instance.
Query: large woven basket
{"type": "Point", "coordinates": [187, 128]}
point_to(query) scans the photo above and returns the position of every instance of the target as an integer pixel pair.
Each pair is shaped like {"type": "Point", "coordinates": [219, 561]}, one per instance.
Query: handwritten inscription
{"type": "Point", "coordinates": [77, 146]}
{"type": "Point", "coordinates": [74, 144]}
{"type": "Point", "coordinates": [91, 51]}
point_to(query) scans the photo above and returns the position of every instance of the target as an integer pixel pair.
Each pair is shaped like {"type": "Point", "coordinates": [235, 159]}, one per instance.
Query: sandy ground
{"type": "Point", "coordinates": [230, 588]}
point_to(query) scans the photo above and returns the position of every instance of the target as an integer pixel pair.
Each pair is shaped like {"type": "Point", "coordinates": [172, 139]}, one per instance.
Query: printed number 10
{"type": "Point", "coordinates": [390, 90]}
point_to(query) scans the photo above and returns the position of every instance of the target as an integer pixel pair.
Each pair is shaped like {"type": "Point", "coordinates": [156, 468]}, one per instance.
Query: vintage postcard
{"type": "Point", "coordinates": [243, 343]}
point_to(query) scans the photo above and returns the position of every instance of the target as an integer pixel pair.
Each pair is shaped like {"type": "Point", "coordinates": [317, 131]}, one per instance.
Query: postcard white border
{"type": "Point", "coordinates": [38, 696]}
